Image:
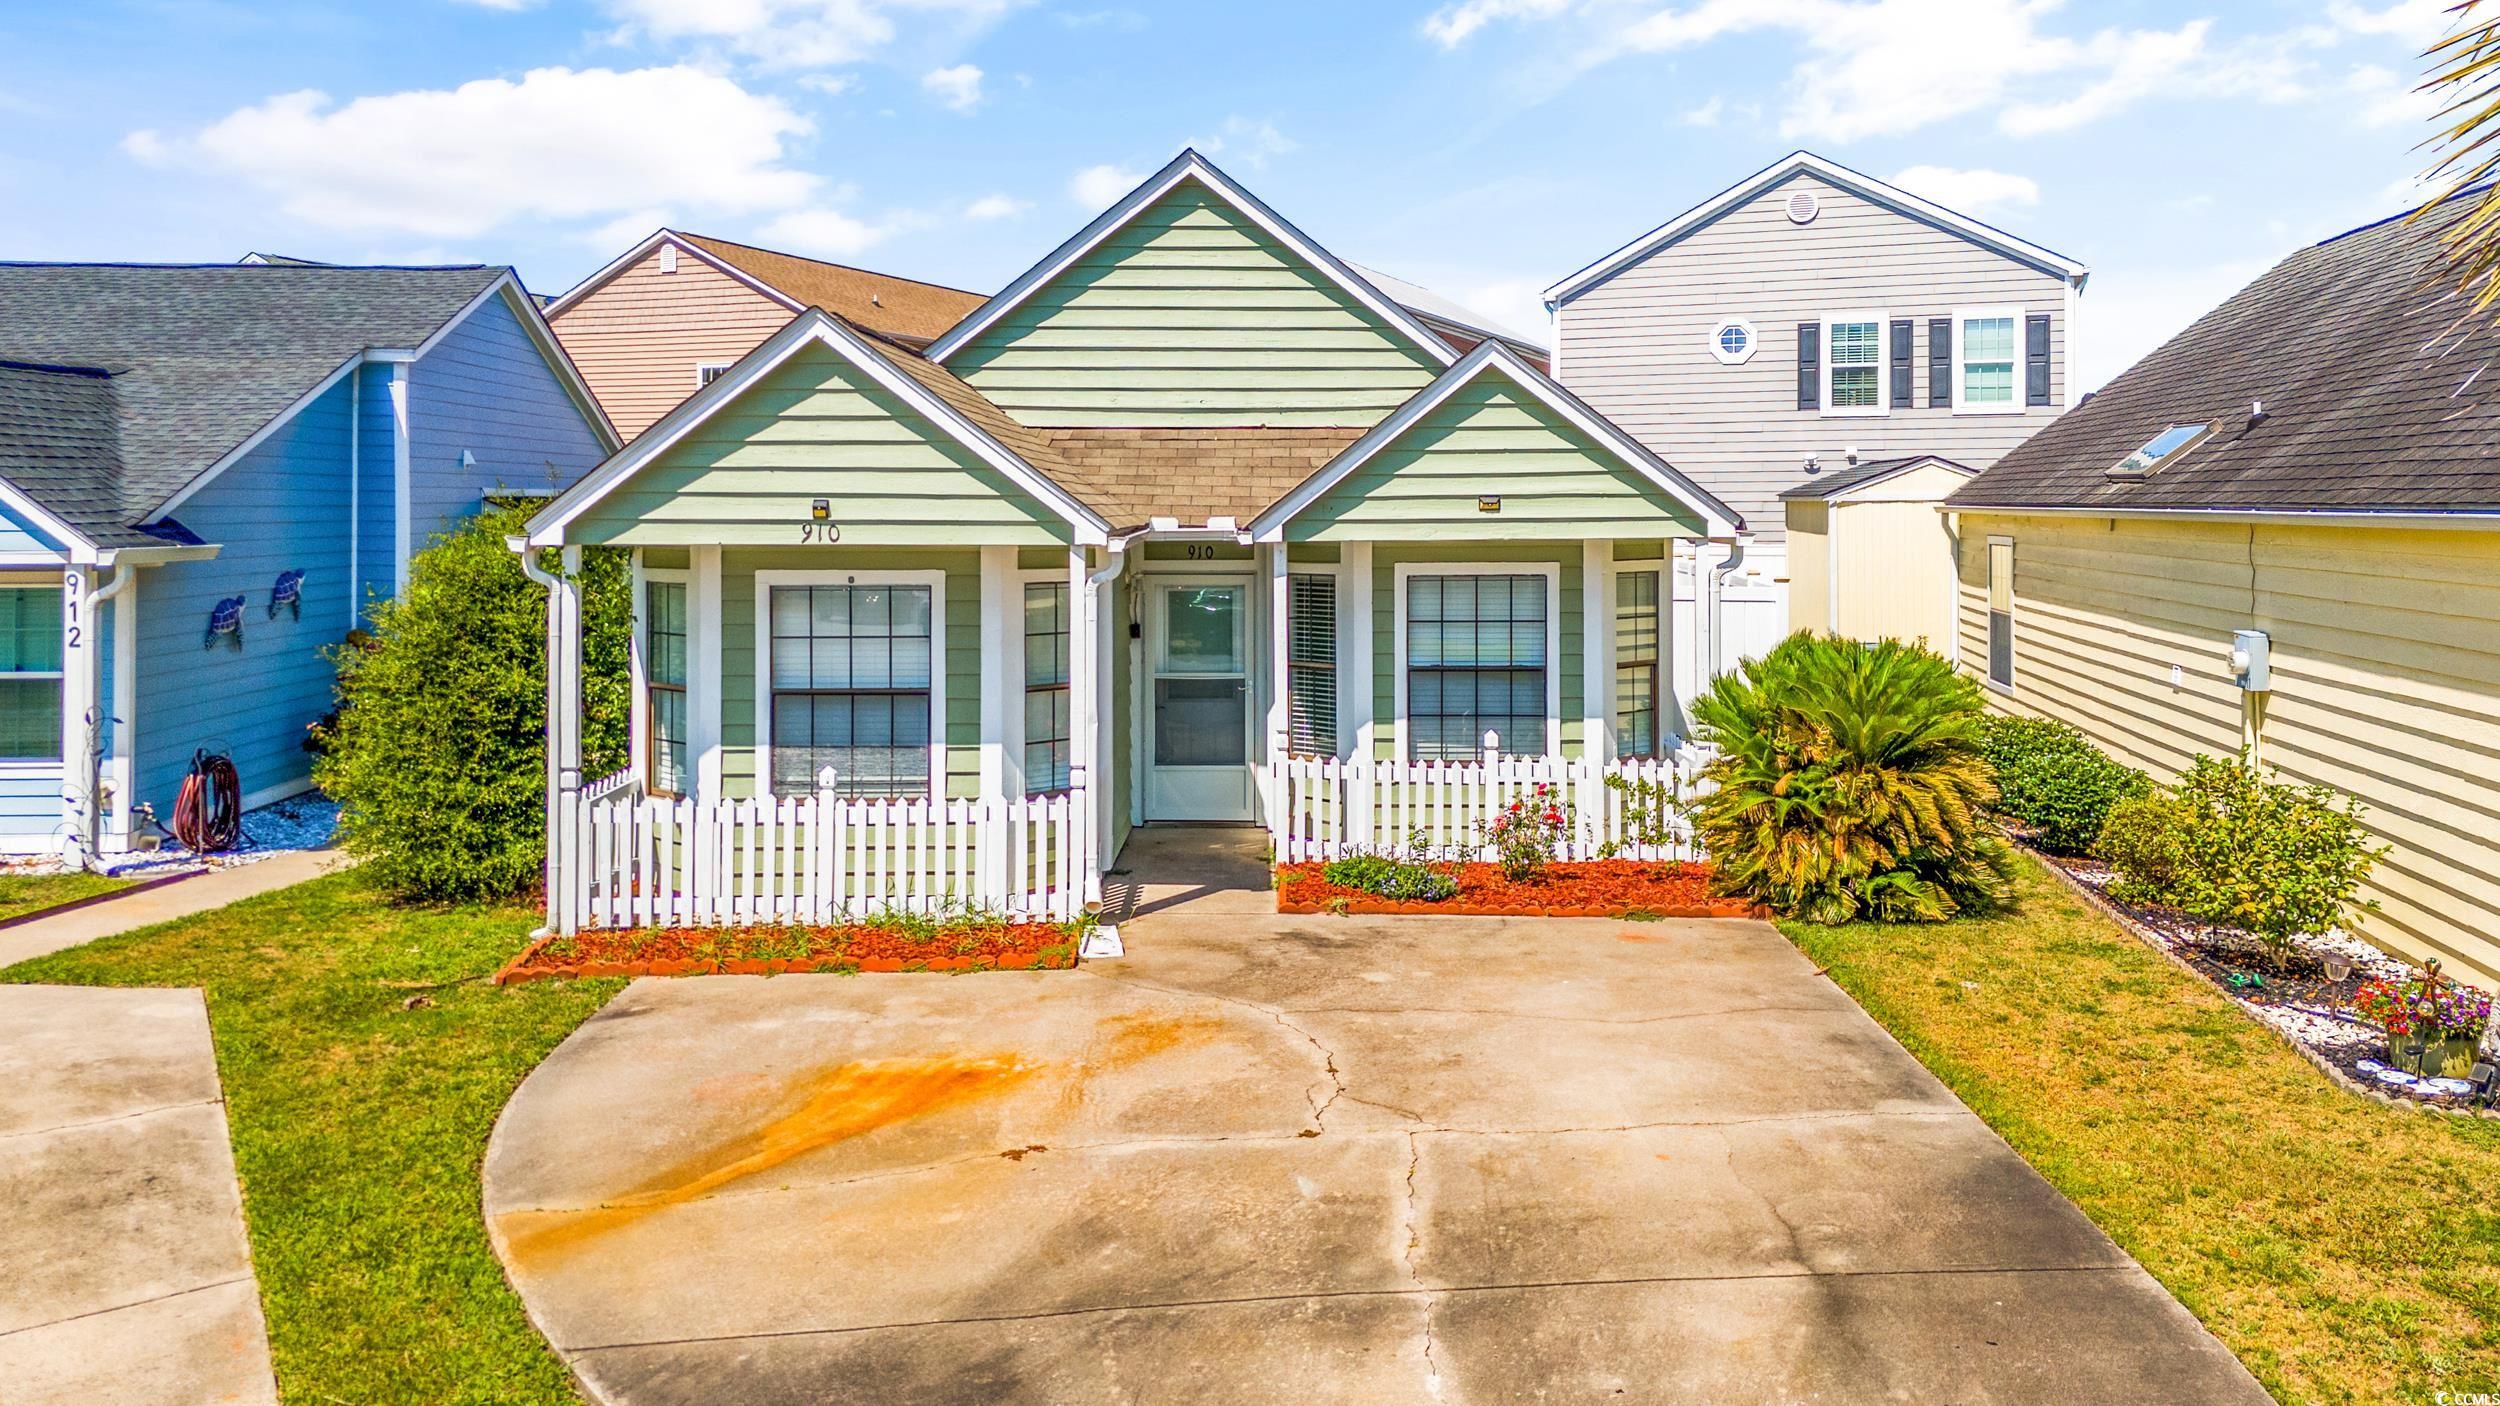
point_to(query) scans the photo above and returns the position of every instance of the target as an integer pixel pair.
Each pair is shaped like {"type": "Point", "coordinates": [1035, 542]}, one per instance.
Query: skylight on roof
{"type": "Point", "coordinates": [2159, 450]}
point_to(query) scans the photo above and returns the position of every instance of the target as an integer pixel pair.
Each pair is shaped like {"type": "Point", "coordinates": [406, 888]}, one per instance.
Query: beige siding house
{"type": "Point", "coordinates": [2330, 487]}
{"type": "Point", "coordinates": [1191, 522]}
{"type": "Point", "coordinates": [1805, 319]}
{"type": "Point", "coordinates": [649, 328]}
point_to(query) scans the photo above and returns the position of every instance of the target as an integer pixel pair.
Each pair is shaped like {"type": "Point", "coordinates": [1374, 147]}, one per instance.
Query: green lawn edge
{"type": "Point", "coordinates": [26, 895]}
{"type": "Point", "coordinates": [2346, 1251]}
{"type": "Point", "coordinates": [364, 1062]}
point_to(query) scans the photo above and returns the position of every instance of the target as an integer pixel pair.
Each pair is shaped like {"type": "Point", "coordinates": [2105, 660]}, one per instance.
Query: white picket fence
{"type": "Point", "coordinates": [630, 860]}
{"type": "Point", "coordinates": [1328, 806]}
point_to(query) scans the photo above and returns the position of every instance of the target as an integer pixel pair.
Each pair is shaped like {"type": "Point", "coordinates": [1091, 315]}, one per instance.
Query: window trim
{"type": "Point", "coordinates": [1659, 663]}
{"type": "Point", "coordinates": [646, 731]}
{"type": "Point", "coordinates": [1753, 341]}
{"type": "Point", "coordinates": [2014, 402]}
{"type": "Point", "coordinates": [764, 583]}
{"type": "Point", "coordinates": [1550, 570]}
{"type": "Point", "coordinates": [51, 765]}
{"type": "Point", "coordinates": [1987, 610]}
{"type": "Point", "coordinates": [717, 368]}
{"type": "Point", "coordinates": [1883, 365]}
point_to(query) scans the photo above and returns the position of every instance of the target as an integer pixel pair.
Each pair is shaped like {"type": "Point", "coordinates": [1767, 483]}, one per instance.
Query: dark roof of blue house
{"type": "Point", "coordinates": [124, 382]}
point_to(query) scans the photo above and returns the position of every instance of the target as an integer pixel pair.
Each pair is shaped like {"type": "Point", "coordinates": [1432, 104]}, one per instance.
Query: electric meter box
{"type": "Point", "coordinates": [2249, 664]}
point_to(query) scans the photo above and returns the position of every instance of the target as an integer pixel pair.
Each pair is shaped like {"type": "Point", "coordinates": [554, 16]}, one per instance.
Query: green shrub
{"type": "Point", "coordinates": [2144, 841]}
{"type": "Point", "coordinates": [1388, 876]}
{"type": "Point", "coordinates": [2054, 781]}
{"type": "Point", "coordinates": [1848, 783]}
{"type": "Point", "coordinates": [2276, 859]}
{"type": "Point", "coordinates": [438, 753]}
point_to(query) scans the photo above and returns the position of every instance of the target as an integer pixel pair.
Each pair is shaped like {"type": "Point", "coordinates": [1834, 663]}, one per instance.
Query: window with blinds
{"type": "Point", "coordinates": [1046, 724]}
{"type": "Point", "coordinates": [30, 673]}
{"type": "Point", "coordinates": [1636, 663]}
{"type": "Point", "coordinates": [1475, 663]}
{"type": "Point", "coordinates": [664, 669]}
{"type": "Point", "coordinates": [2001, 612]}
{"type": "Point", "coordinates": [851, 676]}
{"type": "Point", "coordinates": [1311, 667]}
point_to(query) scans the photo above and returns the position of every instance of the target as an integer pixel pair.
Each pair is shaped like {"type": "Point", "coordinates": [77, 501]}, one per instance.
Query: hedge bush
{"type": "Point", "coordinates": [2272, 858]}
{"type": "Point", "coordinates": [2145, 841]}
{"type": "Point", "coordinates": [1849, 784]}
{"type": "Point", "coordinates": [438, 752]}
{"type": "Point", "coordinates": [2054, 781]}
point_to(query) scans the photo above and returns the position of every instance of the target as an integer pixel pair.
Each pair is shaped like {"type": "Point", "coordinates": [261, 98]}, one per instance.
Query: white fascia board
{"type": "Point", "coordinates": [1857, 182]}
{"type": "Point", "coordinates": [1188, 166]}
{"type": "Point", "coordinates": [2394, 520]}
{"type": "Point", "coordinates": [546, 528]}
{"type": "Point", "coordinates": [78, 546]}
{"type": "Point", "coordinates": [1718, 519]}
{"type": "Point", "coordinates": [159, 556]}
{"type": "Point", "coordinates": [639, 252]}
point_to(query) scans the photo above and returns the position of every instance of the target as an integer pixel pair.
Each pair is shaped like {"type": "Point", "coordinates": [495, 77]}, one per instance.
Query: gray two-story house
{"type": "Point", "coordinates": [1802, 325]}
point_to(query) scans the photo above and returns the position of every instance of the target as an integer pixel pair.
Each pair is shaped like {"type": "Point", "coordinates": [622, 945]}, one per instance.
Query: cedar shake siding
{"type": "Point", "coordinates": [1637, 345]}
{"type": "Point", "coordinates": [638, 338]}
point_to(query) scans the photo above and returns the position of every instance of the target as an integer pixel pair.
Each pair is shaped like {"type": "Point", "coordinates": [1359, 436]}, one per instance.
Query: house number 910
{"type": "Point", "coordinates": [825, 532]}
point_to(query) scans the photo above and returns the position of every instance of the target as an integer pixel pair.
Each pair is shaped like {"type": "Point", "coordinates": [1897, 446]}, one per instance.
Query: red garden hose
{"type": "Point", "coordinates": [208, 814]}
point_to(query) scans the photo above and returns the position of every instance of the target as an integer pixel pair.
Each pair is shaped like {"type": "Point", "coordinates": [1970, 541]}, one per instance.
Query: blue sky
{"type": "Point", "coordinates": [1483, 148]}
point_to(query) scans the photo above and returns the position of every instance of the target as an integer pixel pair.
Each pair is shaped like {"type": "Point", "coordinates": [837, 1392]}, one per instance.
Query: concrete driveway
{"type": "Point", "coordinates": [1306, 1160]}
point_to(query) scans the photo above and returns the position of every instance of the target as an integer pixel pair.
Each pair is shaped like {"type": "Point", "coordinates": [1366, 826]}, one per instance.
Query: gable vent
{"type": "Point", "coordinates": [1803, 207]}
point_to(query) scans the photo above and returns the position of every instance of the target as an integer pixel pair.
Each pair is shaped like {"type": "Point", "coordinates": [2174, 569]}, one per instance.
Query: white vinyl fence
{"type": "Point", "coordinates": [630, 860]}
{"type": "Point", "coordinates": [1327, 806]}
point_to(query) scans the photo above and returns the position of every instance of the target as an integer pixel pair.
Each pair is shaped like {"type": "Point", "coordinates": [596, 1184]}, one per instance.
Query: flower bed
{"type": "Point", "coordinates": [2317, 1013]}
{"type": "Point", "coordinates": [1603, 888]}
{"type": "Point", "coordinates": [766, 951]}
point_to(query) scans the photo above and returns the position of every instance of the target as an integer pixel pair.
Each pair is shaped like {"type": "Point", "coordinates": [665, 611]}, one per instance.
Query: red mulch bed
{"type": "Point", "coordinates": [767, 951]}
{"type": "Point", "coordinates": [1601, 888]}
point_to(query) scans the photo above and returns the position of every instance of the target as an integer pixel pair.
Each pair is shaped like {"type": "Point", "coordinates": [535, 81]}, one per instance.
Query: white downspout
{"type": "Point", "coordinates": [87, 725]}
{"type": "Point", "coordinates": [563, 765]}
{"type": "Point", "coordinates": [1103, 941]}
{"type": "Point", "coordinates": [1716, 593]}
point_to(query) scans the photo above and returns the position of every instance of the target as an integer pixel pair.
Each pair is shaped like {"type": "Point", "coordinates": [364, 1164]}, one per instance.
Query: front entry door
{"type": "Point", "coordinates": [1198, 696]}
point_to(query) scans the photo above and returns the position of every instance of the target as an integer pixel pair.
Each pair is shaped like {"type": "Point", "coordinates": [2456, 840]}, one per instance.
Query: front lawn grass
{"type": "Point", "coordinates": [2346, 1251]}
{"type": "Point", "coordinates": [364, 1063]}
{"type": "Point", "coordinates": [21, 894]}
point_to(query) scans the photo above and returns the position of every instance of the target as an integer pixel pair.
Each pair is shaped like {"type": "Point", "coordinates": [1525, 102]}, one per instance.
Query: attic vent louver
{"type": "Point", "coordinates": [1803, 207]}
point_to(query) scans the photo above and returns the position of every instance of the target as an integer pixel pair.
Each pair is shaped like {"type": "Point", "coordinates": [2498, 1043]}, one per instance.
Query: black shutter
{"type": "Point", "coordinates": [1940, 361]}
{"type": "Point", "coordinates": [2036, 359]}
{"type": "Point", "coordinates": [1902, 399]}
{"type": "Point", "coordinates": [1809, 366]}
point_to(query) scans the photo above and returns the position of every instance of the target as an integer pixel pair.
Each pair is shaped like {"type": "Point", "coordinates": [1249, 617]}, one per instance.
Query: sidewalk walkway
{"type": "Point", "coordinates": [125, 1276]}
{"type": "Point", "coordinates": [212, 890]}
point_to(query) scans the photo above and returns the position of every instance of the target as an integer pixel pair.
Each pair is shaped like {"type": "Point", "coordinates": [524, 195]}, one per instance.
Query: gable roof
{"type": "Point", "coordinates": [204, 361]}
{"type": "Point", "coordinates": [1458, 324]}
{"type": "Point", "coordinates": [2373, 371]}
{"type": "Point", "coordinates": [1190, 166]}
{"type": "Point", "coordinates": [1869, 473]}
{"type": "Point", "coordinates": [1855, 182]}
{"type": "Point", "coordinates": [1491, 357]}
{"type": "Point", "coordinates": [60, 446]}
{"type": "Point", "coordinates": [904, 308]}
{"type": "Point", "coordinates": [957, 410]}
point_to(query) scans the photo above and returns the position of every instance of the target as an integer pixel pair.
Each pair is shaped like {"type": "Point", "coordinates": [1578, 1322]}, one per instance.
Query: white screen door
{"type": "Point", "coordinates": [1198, 700]}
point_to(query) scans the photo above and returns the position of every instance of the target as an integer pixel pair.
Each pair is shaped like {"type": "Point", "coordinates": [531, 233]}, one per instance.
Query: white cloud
{"type": "Point", "coordinates": [958, 87]}
{"type": "Point", "coordinates": [557, 144]}
{"type": "Point", "coordinates": [1706, 115]}
{"type": "Point", "coordinates": [625, 230]}
{"type": "Point", "coordinates": [802, 33]}
{"type": "Point", "coordinates": [1096, 187]}
{"type": "Point", "coordinates": [829, 84]}
{"type": "Point", "coordinates": [1451, 25]}
{"type": "Point", "coordinates": [2416, 23]}
{"type": "Point", "coordinates": [2386, 98]}
{"type": "Point", "coordinates": [996, 207]}
{"type": "Point", "coordinates": [1248, 143]}
{"type": "Point", "coordinates": [826, 233]}
{"type": "Point", "coordinates": [1515, 305]}
{"type": "Point", "coordinates": [1971, 192]}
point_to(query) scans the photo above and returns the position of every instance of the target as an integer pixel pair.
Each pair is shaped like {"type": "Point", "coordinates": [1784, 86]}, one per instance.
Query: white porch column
{"type": "Point", "coordinates": [125, 722]}
{"type": "Point", "coordinates": [1000, 635]}
{"type": "Point", "coordinates": [1102, 624]}
{"type": "Point", "coordinates": [1279, 711]}
{"type": "Point", "coordinates": [78, 708]}
{"type": "Point", "coordinates": [1354, 682]}
{"type": "Point", "coordinates": [564, 733]}
{"type": "Point", "coordinates": [1597, 650]}
{"type": "Point", "coordinates": [703, 665]}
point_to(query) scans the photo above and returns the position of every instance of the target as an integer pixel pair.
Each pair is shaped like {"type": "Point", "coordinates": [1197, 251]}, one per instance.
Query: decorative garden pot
{"type": "Point", "coordinates": [2450, 1057]}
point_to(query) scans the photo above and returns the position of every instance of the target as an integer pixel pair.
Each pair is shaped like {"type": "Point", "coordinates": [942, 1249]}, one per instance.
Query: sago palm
{"type": "Point", "coordinates": [1848, 783]}
{"type": "Point", "coordinates": [2465, 77]}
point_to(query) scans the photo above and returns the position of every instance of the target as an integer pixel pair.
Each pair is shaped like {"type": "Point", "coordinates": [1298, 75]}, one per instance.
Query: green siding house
{"type": "Point", "coordinates": [1191, 522]}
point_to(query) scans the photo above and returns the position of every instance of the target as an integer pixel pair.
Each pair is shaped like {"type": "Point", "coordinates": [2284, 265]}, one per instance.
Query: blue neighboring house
{"type": "Point", "coordinates": [208, 473]}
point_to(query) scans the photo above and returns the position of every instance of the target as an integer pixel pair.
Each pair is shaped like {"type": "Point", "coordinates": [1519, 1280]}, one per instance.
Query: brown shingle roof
{"type": "Point", "coordinates": [2372, 369]}
{"type": "Point", "coordinates": [1130, 475]}
{"type": "Point", "coordinates": [916, 312]}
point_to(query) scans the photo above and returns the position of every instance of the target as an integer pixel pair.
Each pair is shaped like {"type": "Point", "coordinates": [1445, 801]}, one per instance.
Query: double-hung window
{"type": "Point", "coordinates": [1476, 662]}
{"type": "Point", "coordinates": [1636, 663]}
{"type": "Point", "coordinates": [1311, 666]}
{"type": "Point", "coordinates": [852, 669]}
{"type": "Point", "coordinates": [2001, 612]}
{"type": "Point", "coordinates": [664, 678]}
{"type": "Point", "coordinates": [1853, 366]}
{"type": "Point", "coordinates": [1046, 727]}
{"type": "Point", "coordinates": [1985, 359]}
{"type": "Point", "coordinates": [30, 673]}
